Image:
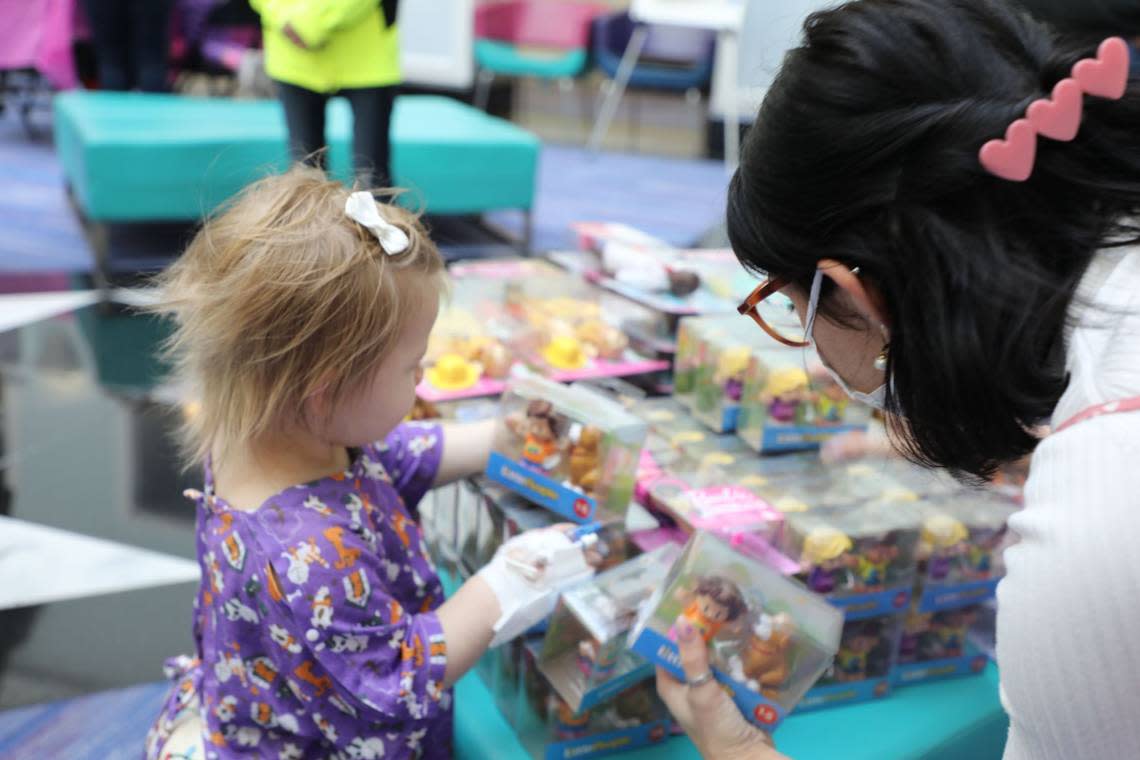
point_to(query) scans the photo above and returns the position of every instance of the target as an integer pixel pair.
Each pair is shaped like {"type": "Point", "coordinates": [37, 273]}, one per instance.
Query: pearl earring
{"type": "Point", "coordinates": [881, 360]}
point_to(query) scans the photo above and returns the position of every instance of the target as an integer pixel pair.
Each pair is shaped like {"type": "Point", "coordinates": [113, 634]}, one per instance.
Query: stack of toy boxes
{"type": "Point", "coordinates": [769, 638]}
{"type": "Point", "coordinates": [960, 558]}
{"type": "Point", "coordinates": [790, 403]}
{"type": "Point", "coordinates": [570, 450]}
{"type": "Point", "coordinates": [862, 556]}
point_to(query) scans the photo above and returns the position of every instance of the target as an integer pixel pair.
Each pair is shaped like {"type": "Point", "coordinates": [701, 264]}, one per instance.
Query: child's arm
{"type": "Point", "coordinates": [467, 619]}
{"type": "Point", "coordinates": [466, 448]}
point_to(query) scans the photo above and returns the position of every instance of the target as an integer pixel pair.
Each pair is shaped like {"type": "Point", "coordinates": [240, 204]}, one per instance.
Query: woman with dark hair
{"type": "Point", "coordinates": [954, 191]}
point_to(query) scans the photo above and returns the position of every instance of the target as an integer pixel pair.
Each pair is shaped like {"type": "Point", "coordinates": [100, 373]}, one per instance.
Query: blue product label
{"type": "Point", "coordinates": [845, 693]}
{"type": "Point", "coordinates": [873, 604]}
{"type": "Point", "coordinates": [970, 663]}
{"type": "Point", "coordinates": [659, 650]}
{"type": "Point", "coordinates": [605, 691]}
{"type": "Point", "coordinates": [949, 596]}
{"type": "Point", "coordinates": [600, 745]}
{"type": "Point", "coordinates": [540, 489]}
{"type": "Point", "coordinates": [775, 438]}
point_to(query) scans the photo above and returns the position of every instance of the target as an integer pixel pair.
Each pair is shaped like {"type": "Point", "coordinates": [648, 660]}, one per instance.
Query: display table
{"type": "Point", "coordinates": [946, 720]}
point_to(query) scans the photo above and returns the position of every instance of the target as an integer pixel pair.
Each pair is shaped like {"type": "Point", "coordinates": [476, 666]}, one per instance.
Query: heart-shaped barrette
{"type": "Point", "coordinates": [1058, 117]}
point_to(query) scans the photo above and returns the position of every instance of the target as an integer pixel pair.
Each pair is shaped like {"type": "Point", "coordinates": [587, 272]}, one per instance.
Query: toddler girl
{"type": "Point", "coordinates": [302, 314]}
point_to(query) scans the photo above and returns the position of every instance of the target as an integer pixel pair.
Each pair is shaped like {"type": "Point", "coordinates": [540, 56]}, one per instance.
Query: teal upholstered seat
{"type": "Point", "coordinates": [511, 60]}
{"type": "Point", "coordinates": [141, 157]}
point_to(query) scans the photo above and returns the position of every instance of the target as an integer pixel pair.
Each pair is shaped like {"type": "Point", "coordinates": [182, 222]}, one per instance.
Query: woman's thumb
{"type": "Point", "coordinates": [704, 692]}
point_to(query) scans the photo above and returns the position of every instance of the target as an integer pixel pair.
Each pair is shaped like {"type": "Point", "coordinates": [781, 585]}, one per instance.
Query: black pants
{"type": "Point", "coordinates": [371, 127]}
{"type": "Point", "coordinates": [132, 38]}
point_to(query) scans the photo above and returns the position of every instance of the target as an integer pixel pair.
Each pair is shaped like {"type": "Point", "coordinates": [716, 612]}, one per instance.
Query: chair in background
{"type": "Point", "coordinates": [649, 57]}
{"type": "Point", "coordinates": [544, 39]}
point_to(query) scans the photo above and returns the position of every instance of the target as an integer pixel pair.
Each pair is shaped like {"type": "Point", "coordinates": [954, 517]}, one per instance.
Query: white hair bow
{"type": "Point", "coordinates": [362, 208]}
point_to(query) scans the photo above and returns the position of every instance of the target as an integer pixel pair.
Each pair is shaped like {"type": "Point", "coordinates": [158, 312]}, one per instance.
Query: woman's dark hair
{"type": "Point", "coordinates": [865, 150]}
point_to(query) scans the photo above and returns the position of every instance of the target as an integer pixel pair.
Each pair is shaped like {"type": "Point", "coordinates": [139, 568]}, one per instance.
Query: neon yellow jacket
{"type": "Point", "coordinates": [349, 44]}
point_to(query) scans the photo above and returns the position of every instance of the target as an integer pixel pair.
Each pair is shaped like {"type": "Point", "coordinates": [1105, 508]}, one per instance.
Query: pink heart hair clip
{"type": "Point", "coordinates": [1058, 117]}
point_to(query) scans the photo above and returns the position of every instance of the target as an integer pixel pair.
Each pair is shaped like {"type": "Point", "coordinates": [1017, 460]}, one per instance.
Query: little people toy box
{"type": "Point", "coordinates": [769, 638]}
{"type": "Point", "coordinates": [568, 449]}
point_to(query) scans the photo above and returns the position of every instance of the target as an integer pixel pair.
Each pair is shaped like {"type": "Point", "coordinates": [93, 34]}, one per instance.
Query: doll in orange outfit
{"type": "Point", "coordinates": [715, 603]}
{"type": "Point", "coordinates": [541, 430]}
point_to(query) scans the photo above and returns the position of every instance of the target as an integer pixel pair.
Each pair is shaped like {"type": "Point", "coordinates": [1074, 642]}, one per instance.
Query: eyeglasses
{"type": "Point", "coordinates": [751, 305]}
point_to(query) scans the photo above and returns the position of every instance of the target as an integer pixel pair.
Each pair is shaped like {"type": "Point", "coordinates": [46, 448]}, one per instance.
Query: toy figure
{"type": "Point", "coordinates": [542, 431]}
{"type": "Point", "coordinates": [762, 663]}
{"type": "Point", "coordinates": [633, 707]}
{"type": "Point", "coordinates": [568, 725]}
{"type": "Point", "coordinates": [596, 660]}
{"type": "Point", "coordinates": [785, 394]}
{"type": "Point", "coordinates": [730, 372]}
{"type": "Point", "coordinates": [826, 555]}
{"type": "Point", "coordinates": [682, 282]}
{"type": "Point", "coordinates": [979, 555]}
{"type": "Point", "coordinates": [858, 642]}
{"type": "Point", "coordinates": [947, 637]}
{"type": "Point", "coordinates": [494, 357]}
{"type": "Point", "coordinates": [916, 625]}
{"type": "Point", "coordinates": [942, 538]}
{"type": "Point", "coordinates": [830, 400]}
{"type": "Point", "coordinates": [423, 410]}
{"type": "Point", "coordinates": [716, 602]}
{"type": "Point", "coordinates": [585, 459]}
{"type": "Point", "coordinates": [604, 340]}
{"type": "Point", "coordinates": [872, 562]}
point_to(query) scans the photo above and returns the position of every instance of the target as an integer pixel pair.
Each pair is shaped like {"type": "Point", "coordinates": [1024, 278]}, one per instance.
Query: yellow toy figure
{"type": "Point", "coordinates": [786, 392]}
{"type": "Point", "coordinates": [948, 631]}
{"type": "Point", "coordinates": [585, 459]}
{"type": "Point", "coordinates": [830, 401]}
{"type": "Point", "coordinates": [826, 554]}
{"type": "Point", "coordinates": [854, 651]}
{"type": "Point", "coordinates": [541, 430]}
{"type": "Point", "coordinates": [716, 602]}
{"type": "Point", "coordinates": [979, 555]}
{"type": "Point", "coordinates": [603, 339]}
{"type": "Point", "coordinates": [730, 370]}
{"type": "Point", "coordinates": [942, 538]}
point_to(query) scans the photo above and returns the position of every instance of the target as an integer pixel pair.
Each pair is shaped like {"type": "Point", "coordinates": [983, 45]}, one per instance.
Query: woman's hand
{"type": "Point", "coordinates": [705, 712]}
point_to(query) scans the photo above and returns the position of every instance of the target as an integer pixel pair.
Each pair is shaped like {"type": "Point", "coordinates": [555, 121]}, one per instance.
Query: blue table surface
{"type": "Point", "coordinates": [942, 720]}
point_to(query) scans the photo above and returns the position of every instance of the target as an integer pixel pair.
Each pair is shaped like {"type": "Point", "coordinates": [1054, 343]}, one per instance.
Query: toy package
{"type": "Point", "coordinates": [584, 655]}
{"type": "Point", "coordinates": [769, 638]}
{"type": "Point", "coordinates": [550, 729]}
{"type": "Point", "coordinates": [723, 354]}
{"type": "Point", "coordinates": [819, 487]}
{"type": "Point", "coordinates": [960, 548]}
{"type": "Point", "coordinates": [712, 501]}
{"type": "Point", "coordinates": [570, 450]}
{"type": "Point", "coordinates": [862, 667]}
{"type": "Point", "coordinates": [691, 354]}
{"type": "Point", "coordinates": [862, 557]}
{"type": "Point", "coordinates": [936, 645]}
{"type": "Point", "coordinates": [790, 403]}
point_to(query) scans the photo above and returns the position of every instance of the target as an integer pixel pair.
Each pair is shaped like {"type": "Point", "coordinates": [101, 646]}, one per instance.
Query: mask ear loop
{"type": "Point", "coordinates": [813, 306]}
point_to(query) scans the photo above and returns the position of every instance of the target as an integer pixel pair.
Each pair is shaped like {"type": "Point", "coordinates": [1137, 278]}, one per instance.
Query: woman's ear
{"type": "Point", "coordinates": [866, 297]}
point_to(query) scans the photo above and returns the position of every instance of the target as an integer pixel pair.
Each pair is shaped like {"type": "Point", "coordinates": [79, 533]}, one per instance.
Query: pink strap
{"type": "Point", "coordinates": [1111, 407]}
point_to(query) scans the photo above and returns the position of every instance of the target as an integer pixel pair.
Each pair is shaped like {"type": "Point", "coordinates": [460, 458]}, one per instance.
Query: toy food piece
{"type": "Point", "coordinates": [452, 373]}
{"type": "Point", "coordinates": [568, 449]}
{"type": "Point", "coordinates": [769, 638]}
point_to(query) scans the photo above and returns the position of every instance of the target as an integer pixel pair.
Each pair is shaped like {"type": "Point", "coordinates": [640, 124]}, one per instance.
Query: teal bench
{"type": "Point", "coordinates": [134, 157]}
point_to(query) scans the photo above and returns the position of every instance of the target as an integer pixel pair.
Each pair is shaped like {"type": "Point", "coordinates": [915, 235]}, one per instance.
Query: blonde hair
{"type": "Point", "coordinates": [281, 295]}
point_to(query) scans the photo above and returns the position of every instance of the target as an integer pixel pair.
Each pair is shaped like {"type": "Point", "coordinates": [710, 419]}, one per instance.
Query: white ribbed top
{"type": "Point", "coordinates": [1068, 632]}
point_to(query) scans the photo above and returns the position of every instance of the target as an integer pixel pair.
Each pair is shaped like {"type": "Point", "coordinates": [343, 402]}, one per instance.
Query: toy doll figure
{"type": "Point", "coordinates": [872, 563]}
{"type": "Point", "coordinates": [830, 400]}
{"type": "Point", "coordinates": [603, 339]}
{"type": "Point", "coordinates": [826, 556]}
{"type": "Point", "coordinates": [785, 395]}
{"type": "Point", "coordinates": [633, 707]}
{"type": "Point", "coordinates": [730, 372]}
{"type": "Point", "coordinates": [542, 430]}
{"type": "Point", "coordinates": [762, 663]}
{"type": "Point", "coordinates": [948, 632]}
{"type": "Point", "coordinates": [716, 602]}
{"type": "Point", "coordinates": [916, 625]}
{"type": "Point", "coordinates": [942, 539]}
{"type": "Point", "coordinates": [979, 555]}
{"type": "Point", "coordinates": [855, 650]}
{"type": "Point", "coordinates": [567, 725]}
{"type": "Point", "coordinates": [596, 660]}
{"type": "Point", "coordinates": [585, 459]}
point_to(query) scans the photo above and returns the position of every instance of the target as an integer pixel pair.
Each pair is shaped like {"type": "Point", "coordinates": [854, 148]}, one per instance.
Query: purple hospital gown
{"type": "Point", "coordinates": [315, 621]}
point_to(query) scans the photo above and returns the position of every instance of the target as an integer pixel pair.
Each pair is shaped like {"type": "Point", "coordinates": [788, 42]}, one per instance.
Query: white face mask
{"type": "Point", "coordinates": [877, 398]}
